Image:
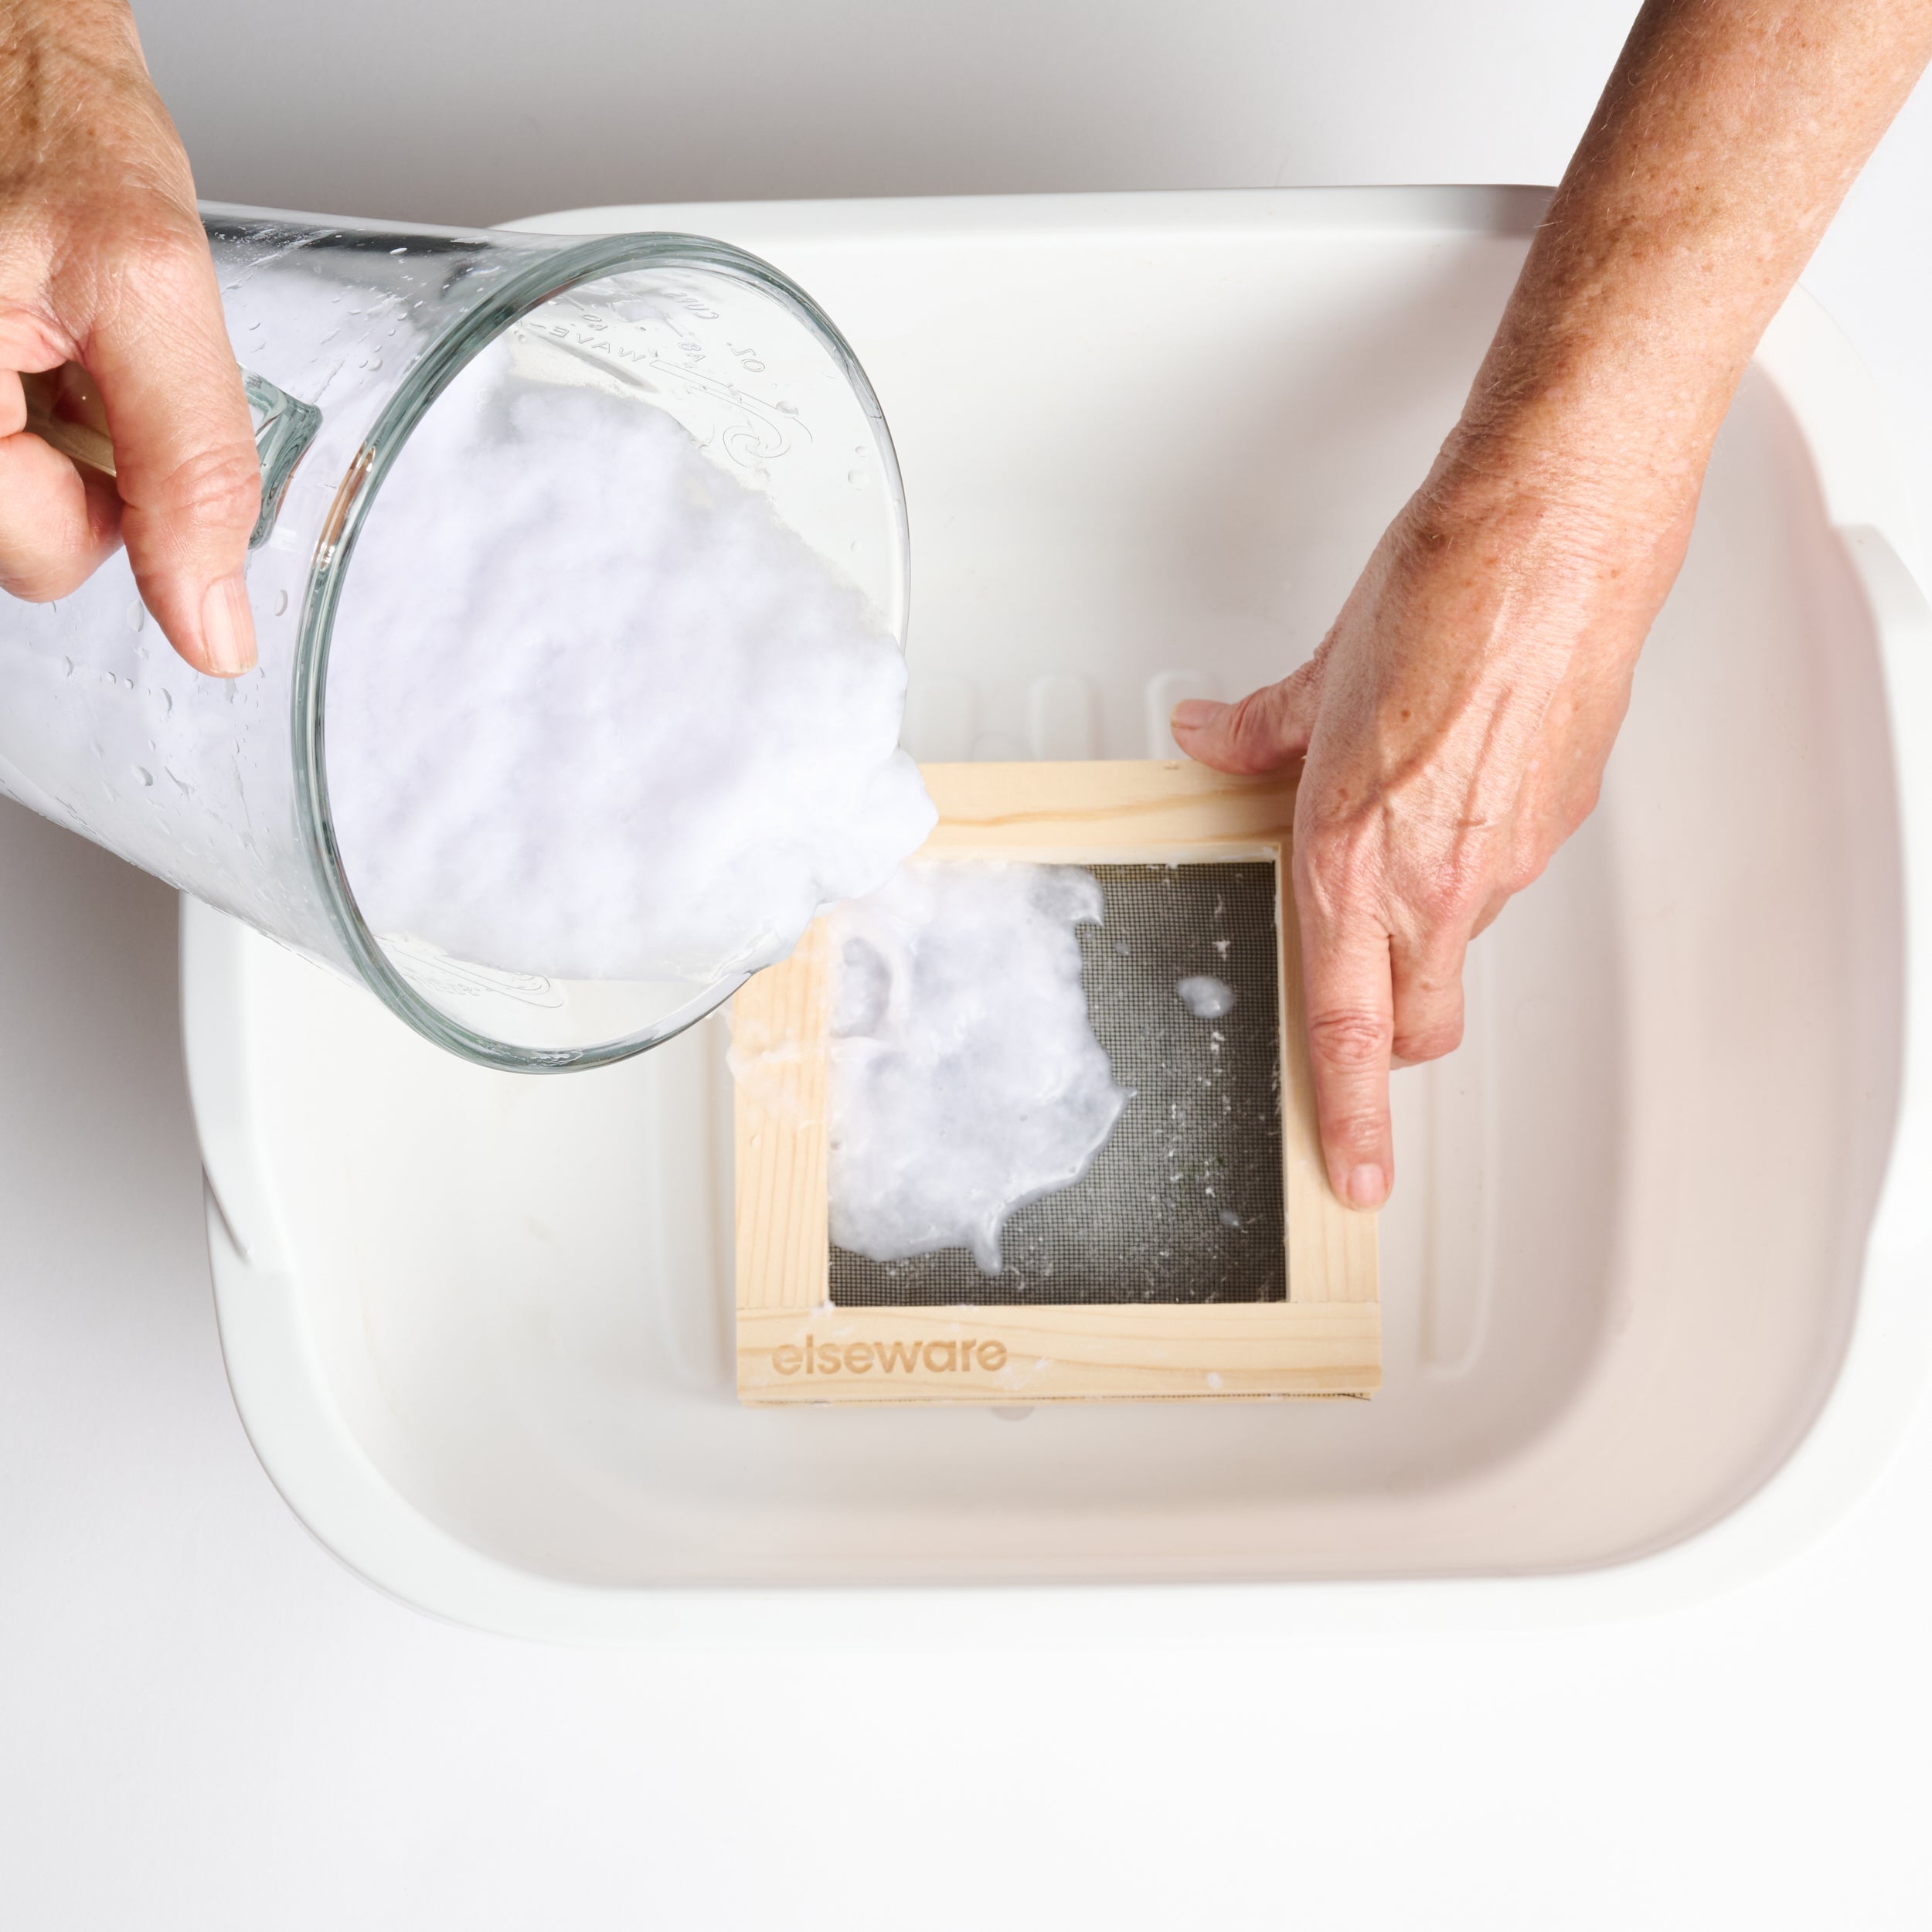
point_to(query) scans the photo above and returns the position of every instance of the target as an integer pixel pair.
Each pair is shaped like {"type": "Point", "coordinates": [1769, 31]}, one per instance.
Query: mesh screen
{"type": "Point", "coordinates": [1183, 1203]}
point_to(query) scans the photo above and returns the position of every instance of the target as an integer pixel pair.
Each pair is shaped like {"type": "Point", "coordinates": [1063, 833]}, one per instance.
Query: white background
{"type": "Point", "coordinates": [205, 1722]}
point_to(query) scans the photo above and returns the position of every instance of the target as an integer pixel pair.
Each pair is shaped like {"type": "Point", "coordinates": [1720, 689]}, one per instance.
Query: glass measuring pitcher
{"type": "Point", "coordinates": [348, 333]}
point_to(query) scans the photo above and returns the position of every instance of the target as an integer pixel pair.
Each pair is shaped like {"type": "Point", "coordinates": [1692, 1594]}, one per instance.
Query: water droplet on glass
{"type": "Point", "coordinates": [374, 361]}
{"type": "Point", "coordinates": [281, 602]}
{"type": "Point", "coordinates": [788, 408]}
{"type": "Point", "coordinates": [108, 679]}
{"type": "Point", "coordinates": [146, 777]}
{"type": "Point", "coordinates": [136, 615]}
{"type": "Point", "coordinates": [127, 683]}
{"type": "Point", "coordinates": [856, 478]}
{"type": "Point", "coordinates": [69, 663]}
{"type": "Point", "coordinates": [167, 704]}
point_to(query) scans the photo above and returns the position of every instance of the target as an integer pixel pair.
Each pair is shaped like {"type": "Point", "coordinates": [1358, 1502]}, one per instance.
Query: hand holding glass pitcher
{"type": "Point", "coordinates": [112, 342]}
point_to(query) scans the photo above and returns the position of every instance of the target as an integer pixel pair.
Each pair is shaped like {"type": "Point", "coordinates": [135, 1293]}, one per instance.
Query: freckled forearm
{"type": "Point", "coordinates": [65, 64]}
{"type": "Point", "coordinates": [1729, 133]}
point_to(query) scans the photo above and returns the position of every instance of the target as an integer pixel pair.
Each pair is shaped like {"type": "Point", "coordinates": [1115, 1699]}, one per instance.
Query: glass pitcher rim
{"type": "Point", "coordinates": [558, 265]}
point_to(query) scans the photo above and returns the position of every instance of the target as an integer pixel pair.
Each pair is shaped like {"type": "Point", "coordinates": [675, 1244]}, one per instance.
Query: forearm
{"type": "Point", "coordinates": [59, 59]}
{"type": "Point", "coordinates": [1728, 135]}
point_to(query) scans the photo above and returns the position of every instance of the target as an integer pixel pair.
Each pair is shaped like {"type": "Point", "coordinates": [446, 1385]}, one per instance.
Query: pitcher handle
{"type": "Point", "coordinates": [284, 427]}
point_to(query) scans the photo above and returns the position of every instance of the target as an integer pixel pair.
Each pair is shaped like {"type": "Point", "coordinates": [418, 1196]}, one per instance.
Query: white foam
{"type": "Point", "coordinates": [1204, 996]}
{"type": "Point", "coordinates": [593, 711]}
{"type": "Point", "coordinates": [965, 1080]}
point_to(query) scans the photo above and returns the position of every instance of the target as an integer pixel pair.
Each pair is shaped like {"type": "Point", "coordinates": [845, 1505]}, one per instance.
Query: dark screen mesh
{"type": "Point", "coordinates": [1183, 1203]}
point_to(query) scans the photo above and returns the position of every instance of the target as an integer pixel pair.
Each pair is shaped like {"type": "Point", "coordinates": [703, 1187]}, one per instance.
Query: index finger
{"type": "Point", "coordinates": [1348, 993]}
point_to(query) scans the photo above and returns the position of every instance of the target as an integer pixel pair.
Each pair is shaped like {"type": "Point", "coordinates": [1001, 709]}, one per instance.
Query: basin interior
{"type": "Point", "coordinates": [1623, 1254]}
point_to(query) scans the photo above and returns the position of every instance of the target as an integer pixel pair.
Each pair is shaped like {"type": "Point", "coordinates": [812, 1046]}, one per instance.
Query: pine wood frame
{"type": "Point", "coordinates": [794, 1345]}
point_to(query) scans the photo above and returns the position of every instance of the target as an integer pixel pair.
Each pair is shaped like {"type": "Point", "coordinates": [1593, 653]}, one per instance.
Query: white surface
{"type": "Point", "coordinates": [454, 110]}
{"type": "Point", "coordinates": [208, 1724]}
{"type": "Point", "coordinates": [478, 1333]}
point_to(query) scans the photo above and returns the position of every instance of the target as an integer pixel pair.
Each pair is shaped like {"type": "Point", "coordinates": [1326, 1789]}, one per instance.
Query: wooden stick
{"type": "Point", "coordinates": [81, 442]}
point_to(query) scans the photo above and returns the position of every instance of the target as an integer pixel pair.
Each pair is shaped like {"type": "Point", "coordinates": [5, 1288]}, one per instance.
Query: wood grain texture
{"type": "Point", "coordinates": [1104, 810]}
{"type": "Point", "coordinates": [778, 1028]}
{"type": "Point", "coordinates": [793, 1345]}
{"type": "Point", "coordinates": [1037, 1354]}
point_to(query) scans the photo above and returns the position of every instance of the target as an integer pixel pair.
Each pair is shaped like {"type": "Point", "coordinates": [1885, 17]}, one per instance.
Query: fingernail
{"type": "Point", "coordinates": [1191, 713]}
{"type": "Point", "coordinates": [1367, 1187]}
{"type": "Point", "coordinates": [228, 629]}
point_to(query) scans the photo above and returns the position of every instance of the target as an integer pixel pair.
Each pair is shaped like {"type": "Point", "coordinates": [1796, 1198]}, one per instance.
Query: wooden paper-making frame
{"type": "Point", "coordinates": [794, 1345]}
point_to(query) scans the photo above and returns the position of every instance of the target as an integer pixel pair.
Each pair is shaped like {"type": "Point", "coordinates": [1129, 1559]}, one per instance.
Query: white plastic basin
{"type": "Point", "coordinates": [1647, 1326]}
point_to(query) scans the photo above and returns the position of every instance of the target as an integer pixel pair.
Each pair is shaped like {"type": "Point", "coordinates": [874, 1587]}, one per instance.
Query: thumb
{"type": "Point", "coordinates": [184, 450]}
{"type": "Point", "coordinates": [1261, 732]}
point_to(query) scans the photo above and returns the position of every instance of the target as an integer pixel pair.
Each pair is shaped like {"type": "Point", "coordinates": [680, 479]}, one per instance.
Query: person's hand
{"type": "Point", "coordinates": [104, 268]}
{"type": "Point", "coordinates": [1455, 721]}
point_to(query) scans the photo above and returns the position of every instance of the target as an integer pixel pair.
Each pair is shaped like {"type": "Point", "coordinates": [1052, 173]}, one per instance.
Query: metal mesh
{"type": "Point", "coordinates": [1183, 1203]}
